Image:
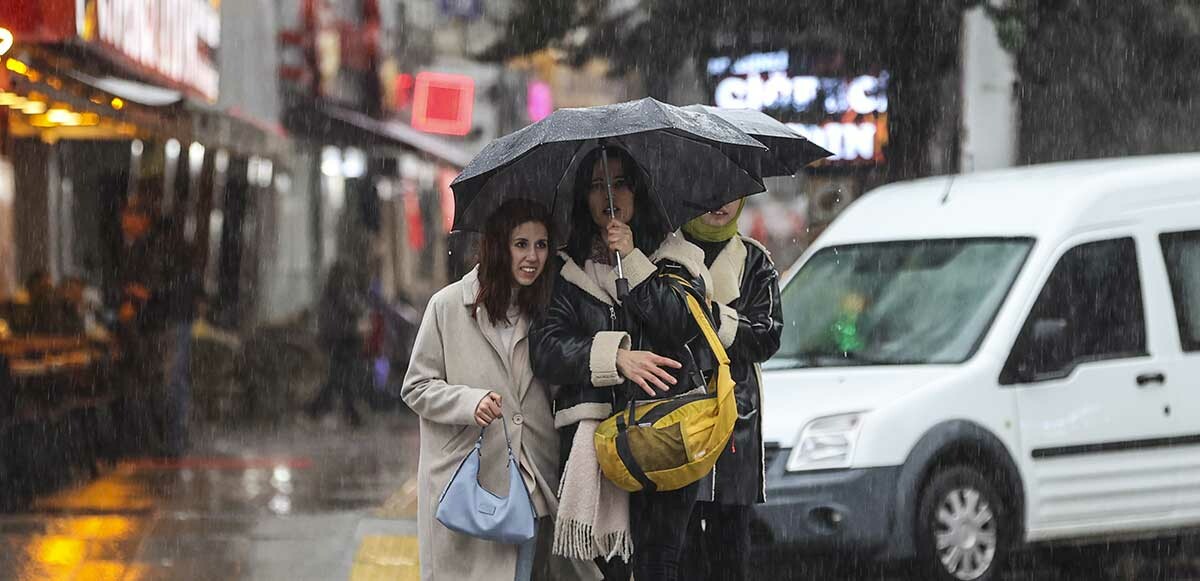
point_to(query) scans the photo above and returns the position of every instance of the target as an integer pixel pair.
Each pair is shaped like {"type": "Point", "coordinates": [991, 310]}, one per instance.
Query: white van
{"type": "Point", "coordinates": [974, 363]}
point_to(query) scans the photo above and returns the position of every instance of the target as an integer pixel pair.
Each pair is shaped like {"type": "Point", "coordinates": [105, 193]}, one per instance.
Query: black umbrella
{"type": "Point", "coordinates": [684, 155]}
{"type": "Point", "coordinates": [789, 151]}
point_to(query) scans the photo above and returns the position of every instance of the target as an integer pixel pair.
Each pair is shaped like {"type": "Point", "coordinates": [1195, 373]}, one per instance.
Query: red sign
{"type": "Point", "coordinates": [168, 41]}
{"type": "Point", "coordinates": [42, 21]}
{"type": "Point", "coordinates": [443, 103]}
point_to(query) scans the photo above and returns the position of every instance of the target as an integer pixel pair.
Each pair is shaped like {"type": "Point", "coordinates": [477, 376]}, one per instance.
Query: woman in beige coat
{"type": "Point", "coordinates": [470, 364]}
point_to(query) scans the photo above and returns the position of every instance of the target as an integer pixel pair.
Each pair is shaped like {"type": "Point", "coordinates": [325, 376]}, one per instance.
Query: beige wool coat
{"type": "Point", "coordinates": [456, 361]}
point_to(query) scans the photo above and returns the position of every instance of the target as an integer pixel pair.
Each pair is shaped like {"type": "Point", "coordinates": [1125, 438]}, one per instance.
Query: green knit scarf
{"type": "Point", "coordinates": [697, 229]}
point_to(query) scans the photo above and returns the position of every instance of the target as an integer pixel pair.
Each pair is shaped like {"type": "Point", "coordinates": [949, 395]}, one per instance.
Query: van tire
{"type": "Point", "coordinates": [964, 508]}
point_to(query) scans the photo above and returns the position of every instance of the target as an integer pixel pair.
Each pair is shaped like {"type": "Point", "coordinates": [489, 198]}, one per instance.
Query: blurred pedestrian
{"type": "Point", "coordinates": [339, 334]}
{"type": "Point", "coordinates": [745, 291]}
{"type": "Point", "coordinates": [470, 367]}
{"type": "Point", "coordinates": [604, 350]}
{"type": "Point", "coordinates": [159, 284]}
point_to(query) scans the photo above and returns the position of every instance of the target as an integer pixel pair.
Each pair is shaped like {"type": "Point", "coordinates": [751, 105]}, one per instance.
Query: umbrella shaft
{"type": "Point", "coordinates": [612, 210]}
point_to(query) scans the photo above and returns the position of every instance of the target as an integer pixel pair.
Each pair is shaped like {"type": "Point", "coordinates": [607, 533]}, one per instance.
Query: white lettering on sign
{"type": "Point", "coordinates": [847, 141]}
{"type": "Point", "coordinates": [864, 94]}
{"type": "Point", "coordinates": [174, 38]}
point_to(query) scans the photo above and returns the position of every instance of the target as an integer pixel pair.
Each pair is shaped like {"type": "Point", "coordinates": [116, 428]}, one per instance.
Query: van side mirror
{"type": "Point", "coordinates": [1046, 350]}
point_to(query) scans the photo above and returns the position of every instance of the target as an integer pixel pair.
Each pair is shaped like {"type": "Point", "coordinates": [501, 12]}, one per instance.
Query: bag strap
{"type": "Point", "coordinates": [507, 440]}
{"type": "Point", "coordinates": [625, 452]}
{"type": "Point", "coordinates": [702, 320]}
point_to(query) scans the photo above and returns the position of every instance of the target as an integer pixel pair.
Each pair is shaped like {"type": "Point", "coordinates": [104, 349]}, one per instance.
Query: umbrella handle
{"type": "Point", "coordinates": [622, 282]}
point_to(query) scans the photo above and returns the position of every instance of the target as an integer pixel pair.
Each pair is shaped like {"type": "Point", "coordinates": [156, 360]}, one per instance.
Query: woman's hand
{"type": "Point", "coordinates": [646, 369]}
{"type": "Point", "coordinates": [488, 409]}
{"type": "Point", "coordinates": [619, 237]}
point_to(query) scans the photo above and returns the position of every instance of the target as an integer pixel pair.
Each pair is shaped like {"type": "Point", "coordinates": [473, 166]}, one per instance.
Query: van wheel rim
{"type": "Point", "coordinates": [965, 530]}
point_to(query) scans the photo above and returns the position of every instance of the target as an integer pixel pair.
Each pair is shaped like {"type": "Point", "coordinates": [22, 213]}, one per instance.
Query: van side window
{"type": "Point", "coordinates": [1182, 253]}
{"type": "Point", "coordinates": [1090, 310]}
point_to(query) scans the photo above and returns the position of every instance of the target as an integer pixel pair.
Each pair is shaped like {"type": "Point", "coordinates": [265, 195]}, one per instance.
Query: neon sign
{"type": "Point", "coordinates": [844, 114]}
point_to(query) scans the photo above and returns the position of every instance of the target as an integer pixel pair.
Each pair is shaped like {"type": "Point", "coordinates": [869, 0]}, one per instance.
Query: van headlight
{"type": "Point", "coordinates": [826, 442]}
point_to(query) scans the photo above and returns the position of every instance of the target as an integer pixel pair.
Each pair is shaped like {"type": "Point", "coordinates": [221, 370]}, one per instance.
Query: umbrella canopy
{"type": "Point", "coordinates": [684, 155]}
{"type": "Point", "coordinates": [789, 151]}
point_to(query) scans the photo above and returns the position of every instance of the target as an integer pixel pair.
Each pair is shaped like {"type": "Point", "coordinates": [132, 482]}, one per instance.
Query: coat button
{"type": "Point", "coordinates": [518, 419]}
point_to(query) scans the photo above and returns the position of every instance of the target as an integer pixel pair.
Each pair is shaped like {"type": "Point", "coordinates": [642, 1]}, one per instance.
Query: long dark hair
{"type": "Point", "coordinates": [495, 263]}
{"type": "Point", "coordinates": [647, 224]}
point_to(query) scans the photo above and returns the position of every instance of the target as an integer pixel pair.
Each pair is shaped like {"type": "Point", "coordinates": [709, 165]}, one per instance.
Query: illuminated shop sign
{"type": "Point", "coordinates": [844, 114]}
{"type": "Point", "coordinates": [173, 39]}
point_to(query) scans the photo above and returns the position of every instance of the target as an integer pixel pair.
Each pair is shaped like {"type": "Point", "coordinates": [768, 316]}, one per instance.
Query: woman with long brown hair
{"type": "Point", "coordinates": [470, 366]}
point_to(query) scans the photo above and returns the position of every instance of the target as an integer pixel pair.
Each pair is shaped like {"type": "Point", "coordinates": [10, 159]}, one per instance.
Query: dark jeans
{"type": "Point", "coordinates": [718, 543]}
{"type": "Point", "coordinates": [659, 523]}
{"type": "Point", "coordinates": [346, 369]}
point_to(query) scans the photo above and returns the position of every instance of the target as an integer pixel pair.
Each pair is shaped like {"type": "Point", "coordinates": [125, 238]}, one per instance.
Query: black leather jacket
{"type": "Point", "coordinates": [574, 344]}
{"type": "Point", "coordinates": [750, 328]}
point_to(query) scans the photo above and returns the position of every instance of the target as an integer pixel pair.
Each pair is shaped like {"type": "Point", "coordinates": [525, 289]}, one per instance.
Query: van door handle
{"type": "Point", "coordinates": [1147, 378]}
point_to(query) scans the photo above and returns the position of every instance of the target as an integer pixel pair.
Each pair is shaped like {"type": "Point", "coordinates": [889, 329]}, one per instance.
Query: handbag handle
{"type": "Point", "coordinates": [507, 440]}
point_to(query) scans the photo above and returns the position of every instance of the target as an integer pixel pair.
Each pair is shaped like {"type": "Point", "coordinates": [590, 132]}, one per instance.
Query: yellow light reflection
{"type": "Point", "coordinates": [59, 114]}
{"type": "Point", "coordinates": [100, 528]}
{"type": "Point", "coordinates": [118, 103]}
{"type": "Point", "coordinates": [112, 494]}
{"type": "Point", "coordinates": [101, 571]}
{"type": "Point", "coordinates": [17, 66]}
{"type": "Point", "coordinates": [11, 100]}
{"type": "Point", "coordinates": [60, 551]}
{"type": "Point", "coordinates": [34, 108]}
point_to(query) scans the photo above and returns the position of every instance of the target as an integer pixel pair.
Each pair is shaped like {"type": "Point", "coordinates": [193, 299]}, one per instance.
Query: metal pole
{"type": "Point", "coordinates": [622, 282]}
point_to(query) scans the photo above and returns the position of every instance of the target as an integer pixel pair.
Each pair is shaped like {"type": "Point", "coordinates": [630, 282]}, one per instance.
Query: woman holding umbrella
{"type": "Point", "coordinates": [470, 367]}
{"type": "Point", "coordinates": [604, 346]}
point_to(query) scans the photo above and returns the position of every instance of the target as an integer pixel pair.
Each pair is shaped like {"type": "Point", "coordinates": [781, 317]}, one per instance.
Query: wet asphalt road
{"type": "Point", "coordinates": [308, 503]}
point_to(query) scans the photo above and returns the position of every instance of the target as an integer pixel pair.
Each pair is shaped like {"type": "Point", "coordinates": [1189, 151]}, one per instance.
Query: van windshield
{"type": "Point", "coordinates": [896, 303]}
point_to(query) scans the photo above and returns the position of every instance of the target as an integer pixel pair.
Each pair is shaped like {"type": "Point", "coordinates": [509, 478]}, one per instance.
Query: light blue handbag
{"type": "Point", "coordinates": [466, 507]}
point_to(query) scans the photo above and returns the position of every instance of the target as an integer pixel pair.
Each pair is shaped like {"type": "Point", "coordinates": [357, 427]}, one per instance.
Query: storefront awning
{"type": "Point", "coordinates": [122, 108]}
{"type": "Point", "coordinates": [132, 91]}
{"type": "Point", "coordinates": [348, 127]}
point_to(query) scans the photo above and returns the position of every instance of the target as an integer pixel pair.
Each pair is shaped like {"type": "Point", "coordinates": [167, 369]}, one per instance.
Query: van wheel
{"type": "Point", "coordinates": [963, 531]}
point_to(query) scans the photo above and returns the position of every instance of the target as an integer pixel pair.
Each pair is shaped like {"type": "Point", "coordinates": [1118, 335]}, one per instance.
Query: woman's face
{"type": "Point", "coordinates": [598, 193]}
{"type": "Point", "coordinates": [721, 216]}
{"type": "Point", "coordinates": [529, 245]}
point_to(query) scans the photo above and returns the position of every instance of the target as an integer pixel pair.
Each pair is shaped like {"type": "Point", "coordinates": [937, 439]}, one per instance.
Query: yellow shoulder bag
{"type": "Point", "coordinates": [666, 444]}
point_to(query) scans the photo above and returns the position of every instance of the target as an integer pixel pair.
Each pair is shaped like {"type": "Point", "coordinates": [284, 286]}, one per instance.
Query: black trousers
{"type": "Point", "coordinates": [659, 523]}
{"type": "Point", "coordinates": [718, 543]}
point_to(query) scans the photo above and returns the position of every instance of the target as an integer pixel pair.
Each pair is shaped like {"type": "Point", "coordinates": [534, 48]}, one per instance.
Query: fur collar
{"type": "Point", "coordinates": [727, 271]}
{"type": "Point", "coordinates": [674, 248]}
